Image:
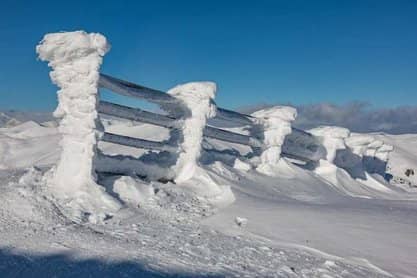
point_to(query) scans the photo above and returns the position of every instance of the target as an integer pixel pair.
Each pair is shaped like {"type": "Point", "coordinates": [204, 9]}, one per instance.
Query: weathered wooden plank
{"type": "Point", "coordinates": [136, 142]}
{"type": "Point", "coordinates": [136, 114]}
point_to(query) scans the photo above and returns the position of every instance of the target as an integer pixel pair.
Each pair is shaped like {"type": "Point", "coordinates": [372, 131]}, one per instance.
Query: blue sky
{"type": "Point", "coordinates": [299, 52]}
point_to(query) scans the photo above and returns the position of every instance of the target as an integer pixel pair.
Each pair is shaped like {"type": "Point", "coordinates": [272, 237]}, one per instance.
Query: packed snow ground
{"type": "Point", "coordinates": [302, 223]}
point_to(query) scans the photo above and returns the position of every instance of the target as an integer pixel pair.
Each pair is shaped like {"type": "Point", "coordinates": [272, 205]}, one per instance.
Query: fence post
{"type": "Point", "coordinates": [373, 153]}
{"type": "Point", "coordinates": [333, 139]}
{"type": "Point", "coordinates": [196, 99]}
{"type": "Point", "coordinates": [273, 124]}
{"type": "Point", "coordinates": [75, 59]}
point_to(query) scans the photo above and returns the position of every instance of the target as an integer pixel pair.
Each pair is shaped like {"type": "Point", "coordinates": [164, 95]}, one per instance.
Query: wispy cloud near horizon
{"type": "Point", "coordinates": [356, 116]}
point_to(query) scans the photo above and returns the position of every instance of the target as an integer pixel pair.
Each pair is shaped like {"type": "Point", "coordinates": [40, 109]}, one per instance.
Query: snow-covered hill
{"type": "Point", "coordinates": [228, 221]}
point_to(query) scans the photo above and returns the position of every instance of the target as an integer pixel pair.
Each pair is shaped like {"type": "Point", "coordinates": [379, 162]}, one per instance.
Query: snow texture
{"type": "Point", "coordinates": [75, 59]}
{"type": "Point", "coordinates": [132, 192]}
{"type": "Point", "coordinates": [197, 100]}
{"type": "Point", "coordinates": [275, 123]}
{"type": "Point", "coordinates": [241, 165]}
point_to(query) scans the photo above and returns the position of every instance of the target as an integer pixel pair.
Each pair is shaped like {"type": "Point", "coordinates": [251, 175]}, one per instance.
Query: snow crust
{"type": "Point", "coordinates": [197, 101]}
{"type": "Point", "coordinates": [275, 123]}
{"type": "Point", "coordinates": [75, 59]}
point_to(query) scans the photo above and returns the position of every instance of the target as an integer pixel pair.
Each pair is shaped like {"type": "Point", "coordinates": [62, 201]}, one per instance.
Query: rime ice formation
{"type": "Point", "coordinates": [366, 145]}
{"type": "Point", "coordinates": [359, 143]}
{"type": "Point", "coordinates": [373, 153]}
{"type": "Point", "coordinates": [75, 59]}
{"type": "Point", "coordinates": [196, 98]}
{"type": "Point", "coordinates": [379, 150]}
{"type": "Point", "coordinates": [275, 123]}
{"type": "Point", "coordinates": [333, 139]}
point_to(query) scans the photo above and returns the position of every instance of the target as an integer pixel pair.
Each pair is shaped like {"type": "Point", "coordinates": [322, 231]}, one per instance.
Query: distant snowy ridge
{"type": "Point", "coordinates": [7, 121]}
{"type": "Point", "coordinates": [15, 117]}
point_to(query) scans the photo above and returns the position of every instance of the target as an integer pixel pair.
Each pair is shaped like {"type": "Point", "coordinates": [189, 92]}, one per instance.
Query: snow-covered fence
{"type": "Point", "coordinates": [298, 144]}
{"type": "Point", "coordinates": [76, 57]}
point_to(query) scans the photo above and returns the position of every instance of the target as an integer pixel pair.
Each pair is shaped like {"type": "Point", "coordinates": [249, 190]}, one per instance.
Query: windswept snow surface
{"type": "Point", "coordinates": [301, 223]}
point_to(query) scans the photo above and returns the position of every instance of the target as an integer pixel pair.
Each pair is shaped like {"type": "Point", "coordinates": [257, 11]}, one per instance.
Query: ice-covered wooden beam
{"type": "Point", "coordinates": [135, 114]}
{"type": "Point", "coordinates": [303, 146]}
{"type": "Point", "coordinates": [129, 89]}
{"type": "Point", "coordinates": [128, 165]}
{"type": "Point", "coordinates": [298, 143]}
{"type": "Point", "coordinates": [136, 142]}
{"type": "Point", "coordinates": [234, 116]}
{"type": "Point", "coordinates": [231, 137]}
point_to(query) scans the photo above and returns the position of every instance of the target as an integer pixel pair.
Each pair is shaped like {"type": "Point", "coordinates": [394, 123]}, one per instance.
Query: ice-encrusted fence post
{"type": "Point", "coordinates": [332, 138]}
{"type": "Point", "coordinates": [273, 124]}
{"type": "Point", "coordinates": [373, 153]}
{"type": "Point", "coordinates": [196, 99]}
{"type": "Point", "coordinates": [75, 59]}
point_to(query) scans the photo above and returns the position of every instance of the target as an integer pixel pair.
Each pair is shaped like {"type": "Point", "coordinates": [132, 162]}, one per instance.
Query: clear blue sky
{"type": "Point", "coordinates": [257, 51]}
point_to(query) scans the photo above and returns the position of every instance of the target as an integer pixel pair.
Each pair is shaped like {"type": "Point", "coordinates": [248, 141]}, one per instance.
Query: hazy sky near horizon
{"type": "Point", "coordinates": [256, 51]}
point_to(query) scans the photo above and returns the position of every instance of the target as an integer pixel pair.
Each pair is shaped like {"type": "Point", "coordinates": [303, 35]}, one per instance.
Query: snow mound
{"type": "Point", "coordinates": [132, 191]}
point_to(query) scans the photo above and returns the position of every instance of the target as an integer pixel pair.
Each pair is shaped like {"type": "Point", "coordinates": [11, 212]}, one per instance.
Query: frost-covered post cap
{"type": "Point", "coordinates": [64, 47]}
{"type": "Point", "coordinates": [197, 97]}
{"type": "Point", "coordinates": [330, 132]}
{"type": "Point", "coordinates": [275, 122]}
{"type": "Point", "coordinates": [285, 113]}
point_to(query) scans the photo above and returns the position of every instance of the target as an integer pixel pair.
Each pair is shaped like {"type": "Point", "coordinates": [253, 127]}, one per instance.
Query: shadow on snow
{"type": "Point", "coordinates": [14, 264]}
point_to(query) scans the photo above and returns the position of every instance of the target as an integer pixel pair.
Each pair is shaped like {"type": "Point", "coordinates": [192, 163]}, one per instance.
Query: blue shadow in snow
{"type": "Point", "coordinates": [62, 265]}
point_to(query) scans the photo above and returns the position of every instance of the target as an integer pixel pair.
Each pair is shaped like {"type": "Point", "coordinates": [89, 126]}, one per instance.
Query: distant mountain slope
{"type": "Point", "coordinates": [9, 118]}
{"type": "Point", "coordinates": [7, 121]}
